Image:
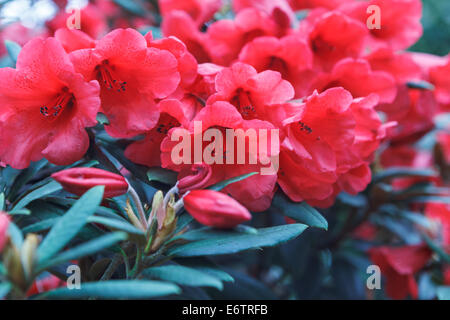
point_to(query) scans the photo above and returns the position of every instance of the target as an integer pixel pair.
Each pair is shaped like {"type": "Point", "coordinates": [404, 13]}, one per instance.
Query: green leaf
{"type": "Point", "coordinates": [443, 293]}
{"type": "Point", "coordinates": [184, 276]}
{"type": "Point", "coordinates": [87, 248]}
{"type": "Point", "coordinates": [132, 7]}
{"type": "Point", "coordinates": [4, 289]}
{"type": "Point", "coordinates": [2, 201]}
{"type": "Point", "coordinates": [40, 192]}
{"type": "Point", "coordinates": [25, 176]}
{"type": "Point", "coordinates": [22, 212]}
{"type": "Point", "coordinates": [102, 118]}
{"type": "Point", "coordinates": [231, 243]}
{"type": "Point", "coordinates": [41, 225]}
{"type": "Point", "coordinates": [116, 224]}
{"type": "Point", "coordinates": [70, 224]}
{"type": "Point", "coordinates": [420, 84]}
{"type": "Point", "coordinates": [396, 172]}
{"type": "Point", "coordinates": [162, 175]}
{"type": "Point", "coordinates": [116, 289]}
{"type": "Point", "coordinates": [221, 185]}
{"type": "Point", "coordinates": [439, 251]}
{"type": "Point", "coordinates": [300, 212]}
{"type": "Point", "coordinates": [13, 49]}
{"type": "Point", "coordinates": [15, 235]}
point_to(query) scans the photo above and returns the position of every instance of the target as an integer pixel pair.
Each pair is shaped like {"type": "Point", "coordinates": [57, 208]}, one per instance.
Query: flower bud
{"type": "Point", "coordinates": [215, 209]}
{"type": "Point", "coordinates": [4, 224]}
{"type": "Point", "coordinates": [197, 178]}
{"type": "Point", "coordinates": [80, 180]}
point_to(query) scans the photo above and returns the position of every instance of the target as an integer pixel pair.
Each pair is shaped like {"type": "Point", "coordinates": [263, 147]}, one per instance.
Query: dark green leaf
{"type": "Point", "coordinates": [5, 287]}
{"type": "Point", "coordinates": [396, 172]}
{"type": "Point", "coordinates": [184, 276]}
{"type": "Point", "coordinates": [236, 242]}
{"type": "Point", "coordinates": [40, 192]}
{"type": "Point", "coordinates": [221, 185]}
{"type": "Point", "coordinates": [162, 175]}
{"type": "Point", "coordinates": [422, 85]}
{"type": "Point", "coordinates": [70, 224]}
{"type": "Point", "coordinates": [13, 49]}
{"type": "Point", "coordinates": [115, 224]}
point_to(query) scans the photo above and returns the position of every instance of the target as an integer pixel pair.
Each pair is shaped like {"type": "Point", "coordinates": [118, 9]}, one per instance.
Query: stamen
{"type": "Point", "coordinates": [244, 105]}
{"type": "Point", "coordinates": [109, 78]}
{"type": "Point", "coordinates": [55, 108]}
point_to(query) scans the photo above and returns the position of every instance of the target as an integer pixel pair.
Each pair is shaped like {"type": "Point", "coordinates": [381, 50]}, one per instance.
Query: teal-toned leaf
{"type": "Point", "coordinates": [102, 119]}
{"type": "Point", "coordinates": [20, 212]}
{"type": "Point", "coordinates": [443, 293]}
{"type": "Point", "coordinates": [70, 224]}
{"type": "Point", "coordinates": [5, 287]}
{"type": "Point", "coordinates": [41, 225]}
{"type": "Point", "coordinates": [436, 248]}
{"type": "Point", "coordinates": [397, 172]}
{"type": "Point", "coordinates": [2, 201]}
{"type": "Point", "coordinates": [420, 84]}
{"type": "Point", "coordinates": [37, 193]}
{"type": "Point", "coordinates": [25, 176]}
{"type": "Point", "coordinates": [87, 248]}
{"type": "Point", "coordinates": [13, 49]}
{"type": "Point", "coordinates": [15, 235]}
{"type": "Point", "coordinates": [233, 243]}
{"type": "Point", "coordinates": [221, 185]}
{"type": "Point", "coordinates": [157, 174]}
{"type": "Point", "coordinates": [132, 6]}
{"type": "Point", "coordinates": [184, 276]}
{"type": "Point", "coordinates": [115, 224]}
{"type": "Point", "coordinates": [116, 289]}
{"type": "Point", "coordinates": [300, 212]}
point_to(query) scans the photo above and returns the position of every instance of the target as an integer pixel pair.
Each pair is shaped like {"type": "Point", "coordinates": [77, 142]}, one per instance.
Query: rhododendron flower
{"type": "Point", "coordinates": [131, 77]}
{"type": "Point", "coordinates": [73, 39]}
{"type": "Point", "coordinates": [173, 113]}
{"type": "Point", "coordinates": [255, 192]}
{"type": "Point", "coordinates": [20, 34]}
{"type": "Point", "coordinates": [215, 209]}
{"type": "Point", "coordinates": [400, 25]}
{"type": "Point", "coordinates": [333, 36]}
{"type": "Point", "coordinates": [251, 92]}
{"type": "Point", "coordinates": [439, 77]}
{"type": "Point", "coordinates": [357, 77]}
{"type": "Point", "coordinates": [311, 4]}
{"type": "Point", "coordinates": [200, 11]}
{"type": "Point", "coordinates": [46, 106]}
{"type": "Point", "coordinates": [205, 84]}
{"type": "Point", "coordinates": [92, 20]}
{"type": "Point", "coordinates": [80, 180]}
{"type": "Point", "coordinates": [226, 37]}
{"type": "Point", "coordinates": [181, 25]}
{"type": "Point", "coordinates": [45, 284]}
{"type": "Point", "coordinates": [196, 177]}
{"type": "Point", "coordinates": [399, 265]}
{"type": "Point", "coordinates": [289, 56]}
{"type": "Point", "coordinates": [4, 224]}
{"type": "Point", "coordinates": [278, 9]}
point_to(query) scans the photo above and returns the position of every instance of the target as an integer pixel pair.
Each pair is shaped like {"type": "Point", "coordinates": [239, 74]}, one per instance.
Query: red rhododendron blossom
{"type": "Point", "coordinates": [289, 56]}
{"type": "Point", "coordinates": [439, 77]}
{"type": "Point", "coordinates": [226, 37]}
{"type": "Point", "coordinates": [46, 106]}
{"type": "Point", "coordinates": [196, 177]}
{"type": "Point", "coordinates": [255, 192]}
{"type": "Point", "coordinates": [181, 25]}
{"type": "Point", "coordinates": [399, 265]}
{"type": "Point", "coordinates": [187, 65]}
{"type": "Point", "coordinates": [131, 77]}
{"type": "Point", "coordinates": [357, 77]}
{"type": "Point", "coordinates": [333, 36]}
{"type": "Point", "coordinates": [205, 84]}
{"type": "Point", "coordinates": [18, 33]}
{"type": "Point", "coordinates": [4, 225]}
{"type": "Point", "coordinates": [92, 20]}
{"type": "Point", "coordinates": [400, 25]}
{"type": "Point", "coordinates": [311, 4]}
{"type": "Point", "coordinates": [173, 113]}
{"type": "Point", "coordinates": [80, 180]}
{"type": "Point", "coordinates": [215, 209]}
{"type": "Point", "coordinates": [73, 39]}
{"type": "Point", "coordinates": [200, 11]}
{"type": "Point", "coordinates": [45, 284]}
{"type": "Point", "coordinates": [251, 92]}
{"type": "Point", "coordinates": [278, 9]}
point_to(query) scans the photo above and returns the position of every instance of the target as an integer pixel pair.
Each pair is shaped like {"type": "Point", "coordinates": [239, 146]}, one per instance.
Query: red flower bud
{"type": "Point", "coordinates": [4, 224]}
{"type": "Point", "coordinates": [197, 178]}
{"type": "Point", "coordinates": [80, 180]}
{"type": "Point", "coordinates": [215, 209]}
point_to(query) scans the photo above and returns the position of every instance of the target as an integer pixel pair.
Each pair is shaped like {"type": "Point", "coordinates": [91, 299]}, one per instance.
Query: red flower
{"type": "Point", "coordinates": [357, 77]}
{"type": "Point", "coordinates": [251, 92]}
{"type": "Point", "coordinates": [73, 40]}
{"type": "Point", "coordinates": [278, 9]}
{"type": "Point", "coordinates": [400, 21]}
{"type": "Point", "coordinates": [439, 76]}
{"type": "Point", "coordinates": [45, 107]}
{"type": "Point", "coordinates": [227, 37]}
{"type": "Point", "coordinates": [200, 11]}
{"type": "Point", "coordinates": [131, 76]}
{"type": "Point", "coordinates": [181, 25]}
{"type": "Point", "coordinates": [45, 284]}
{"type": "Point", "coordinates": [215, 209]}
{"type": "Point", "coordinates": [4, 225]}
{"type": "Point", "coordinates": [92, 21]}
{"type": "Point", "coordinates": [18, 33]}
{"type": "Point", "coordinates": [205, 84]}
{"type": "Point", "coordinates": [173, 113]}
{"type": "Point", "coordinates": [399, 265]}
{"type": "Point", "coordinates": [333, 36]}
{"type": "Point", "coordinates": [311, 4]}
{"type": "Point", "coordinates": [290, 56]}
{"type": "Point", "coordinates": [196, 177]}
{"type": "Point", "coordinates": [255, 192]}
{"type": "Point", "coordinates": [80, 180]}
